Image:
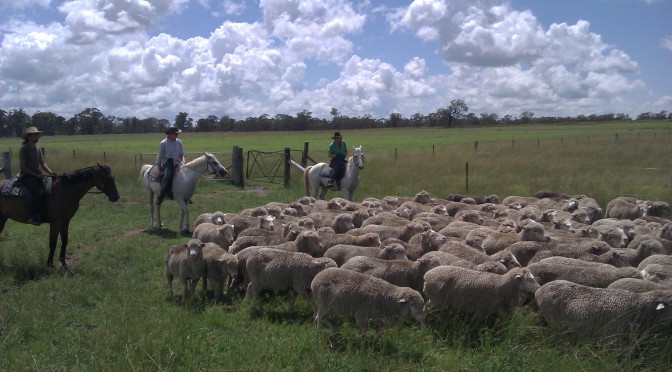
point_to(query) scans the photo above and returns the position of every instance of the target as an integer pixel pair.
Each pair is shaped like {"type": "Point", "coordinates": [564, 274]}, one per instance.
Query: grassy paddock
{"type": "Point", "coordinates": [111, 313]}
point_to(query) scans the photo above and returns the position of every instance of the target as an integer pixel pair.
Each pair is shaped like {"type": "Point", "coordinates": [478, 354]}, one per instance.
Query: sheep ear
{"type": "Point", "coordinates": [519, 277]}
{"type": "Point", "coordinates": [403, 300]}
{"type": "Point", "coordinates": [660, 306]}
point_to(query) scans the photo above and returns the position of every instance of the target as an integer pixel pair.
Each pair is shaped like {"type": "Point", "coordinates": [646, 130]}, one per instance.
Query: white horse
{"type": "Point", "coordinates": [317, 175]}
{"type": "Point", "coordinates": [184, 184]}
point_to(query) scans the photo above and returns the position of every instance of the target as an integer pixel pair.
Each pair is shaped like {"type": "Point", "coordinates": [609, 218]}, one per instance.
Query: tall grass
{"type": "Point", "coordinates": [110, 311]}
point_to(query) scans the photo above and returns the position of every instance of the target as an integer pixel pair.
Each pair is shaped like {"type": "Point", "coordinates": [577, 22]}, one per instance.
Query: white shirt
{"type": "Point", "coordinates": [170, 150]}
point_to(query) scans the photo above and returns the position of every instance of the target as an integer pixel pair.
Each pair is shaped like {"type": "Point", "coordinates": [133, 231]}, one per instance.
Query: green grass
{"type": "Point", "coordinates": [110, 312]}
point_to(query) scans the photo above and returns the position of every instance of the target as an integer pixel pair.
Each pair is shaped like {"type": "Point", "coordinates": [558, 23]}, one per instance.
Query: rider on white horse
{"type": "Point", "coordinates": [171, 155]}
{"type": "Point", "coordinates": [337, 152]}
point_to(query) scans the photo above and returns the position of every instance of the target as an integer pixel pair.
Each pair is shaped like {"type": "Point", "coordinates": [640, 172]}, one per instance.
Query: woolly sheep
{"type": "Point", "coordinates": [277, 270]}
{"type": "Point", "coordinates": [400, 232]}
{"type": "Point", "coordinates": [661, 259]}
{"type": "Point", "coordinates": [638, 285]}
{"type": "Point", "coordinates": [403, 273]}
{"type": "Point", "coordinates": [626, 208]}
{"type": "Point", "coordinates": [658, 273]}
{"type": "Point", "coordinates": [447, 259]}
{"type": "Point", "coordinates": [529, 231]}
{"type": "Point", "coordinates": [342, 223]}
{"type": "Point", "coordinates": [462, 250]}
{"type": "Point", "coordinates": [367, 299]}
{"type": "Point", "coordinates": [593, 274]}
{"type": "Point", "coordinates": [588, 311]}
{"type": "Point", "coordinates": [216, 217]}
{"type": "Point", "coordinates": [386, 219]}
{"type": "Point", "coordinates": [185, 261]}
{"type": "Point", "coordinates": [477, 293]}
{"type": "Point", "coordinates": [341, 253]}
{"type": "Point", "coordinates": [525, 251]}
{"type": "Point", "coordinates": [220, 265]}
{"type": "Point", "coordinates": [424, 242]}
{"type": "Point", "coordinates": [241, 223]}
{"type": "Point", "coordinates": [330, 238]}
{"type": "Point", "coordinates": [221, 235]}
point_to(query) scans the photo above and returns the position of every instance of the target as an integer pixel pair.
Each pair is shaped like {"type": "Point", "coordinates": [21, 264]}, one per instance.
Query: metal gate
{"type": "Point", "coordinates": [266, 166]}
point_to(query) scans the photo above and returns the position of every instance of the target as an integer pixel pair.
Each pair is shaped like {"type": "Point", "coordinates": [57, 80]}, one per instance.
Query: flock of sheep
{"type": "Point", "coordinates": [397, 258]}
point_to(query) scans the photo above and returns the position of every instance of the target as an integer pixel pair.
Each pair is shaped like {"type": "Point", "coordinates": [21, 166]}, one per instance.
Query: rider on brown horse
{"type": "Point", "coordinates": [31, 164]}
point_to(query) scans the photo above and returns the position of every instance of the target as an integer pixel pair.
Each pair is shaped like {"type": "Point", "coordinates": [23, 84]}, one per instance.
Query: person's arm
{"type": "Point", "coordinates": [159, 157]}
{"type": "Point", "coordinates": [46, 167]}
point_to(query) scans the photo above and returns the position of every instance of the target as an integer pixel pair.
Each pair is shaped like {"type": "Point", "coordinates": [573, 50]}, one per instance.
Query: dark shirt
{"type": "Point", "coordinates": [32, 156]}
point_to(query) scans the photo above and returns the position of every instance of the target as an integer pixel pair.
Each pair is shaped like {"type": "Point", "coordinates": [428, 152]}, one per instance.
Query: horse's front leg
{"type": "Point", "coordinates": [184, 215]}
{"type": "Point", "coordinates": [150, 198]}
{"type": "Point", "coordinates": [53, 239]}
{"type": "Point", "coordinates": [64, 242]}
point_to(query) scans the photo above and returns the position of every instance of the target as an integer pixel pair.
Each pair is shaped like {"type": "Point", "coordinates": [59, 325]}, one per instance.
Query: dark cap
{"type": "Point", "coordinates": [336, 134]}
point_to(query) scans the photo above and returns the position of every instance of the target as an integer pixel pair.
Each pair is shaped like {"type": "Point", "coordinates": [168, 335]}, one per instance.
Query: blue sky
{"type": "Point", "coordinates": [156, 58]}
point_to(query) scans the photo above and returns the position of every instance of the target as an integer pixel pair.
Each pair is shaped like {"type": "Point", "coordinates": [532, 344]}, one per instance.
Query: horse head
{"type": "Point", "coordinates": [104, 181]}
{"type": "Point", "coordinates": [358, 157]}
{"type": "Point", "coordinates": [214, 165]}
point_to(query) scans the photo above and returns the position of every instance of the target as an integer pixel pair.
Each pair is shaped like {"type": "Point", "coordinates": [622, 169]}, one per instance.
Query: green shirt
{"type": "Point", "coordinates": [338, 150]}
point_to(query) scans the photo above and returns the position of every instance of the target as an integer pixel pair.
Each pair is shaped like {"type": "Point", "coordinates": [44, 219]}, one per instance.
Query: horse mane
{"type": "Point", "coordinates": [79, 175]}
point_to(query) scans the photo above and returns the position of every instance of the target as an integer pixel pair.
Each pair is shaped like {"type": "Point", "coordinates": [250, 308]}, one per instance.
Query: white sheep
{"type": "Point", "coordinates": [477, 293]}
{"type": "Point", "coordinates": [216, 217]}
{"type": "Point", "coordinates": [661, 259]}
{"type": "Point", "coordinates": [241, 223]}
{"type": "Point", "coordinates": [626, 208]}
{"type": "Point", "coordinates": [329, 239]}
{"type": "Point", "coordinates": [587, 311]}
{"type": "Point", "coordinates": [341, 253]}
{"type": "Point", "coordinates": [278, 270]}
{"type": "Point", "coordinates": [466, 252]}
{"type": "Point", "coordinates": [185, 261]}
{"type": "Point", "coordinates": [424, 242]}
{"type": "Point", "coordinates": [367, 299]}
{"type": "Point", "coordinates": [528, 230]}
{"type": "Point", "coordinates": [447, 259]}
{"type": "Point", "coordinates": [638, 285]}
{"type": "Point", "coordinates": [220, 266]}
{"type": "Point", "coordinates": [404, 233]}
{"type": "Point", "coordinates": [658, 273]}
{"type": "Point", "coordinates": [402, 273]}
{"type": "Point", "coordinates": [221, 235]}
{"type": "Point", "coordinates": [593, 274]}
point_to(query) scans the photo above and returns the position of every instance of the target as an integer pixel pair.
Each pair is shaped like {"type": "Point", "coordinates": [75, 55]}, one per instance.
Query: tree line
{"type": "Point", "coordinates": [92, 121]}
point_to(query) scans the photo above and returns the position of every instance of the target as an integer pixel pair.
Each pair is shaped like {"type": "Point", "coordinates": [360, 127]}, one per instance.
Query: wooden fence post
{"type": "Point", "coordinates": [287, 166]}
{"type": "Point", "coordinates": [6, 164]}
{"type": "Point", "coordinates": [237, 166]}
{"type": "Point", "coordinates": [475, 146]}
{"type": "Point", "coordinates": [304, 157]}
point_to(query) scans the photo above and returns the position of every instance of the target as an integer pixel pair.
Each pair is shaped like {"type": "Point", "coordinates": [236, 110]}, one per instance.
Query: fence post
{"type": "Point", "coordinates": [615, 136]}
{"type": "Point", "coordinates": [304, 157]}
{"type": "Point", "coordinates": [395, 153]}
{"type": "Point", "coordinates": [513, 142]}
{"type": "Point", "coordinates": [432, 150]}
{"type": "Point", "coordinates": [73, 154]}
{"type": "Point", "coordinates": [237, 166]}
{"type": "Point", "coordinates": [467, 177]}
{"type": "Point", "coordinates": [6, 164]}
{"type": "Point", "coordinates": [538, 142]}
{"type": "Point", "coordinates": [287, 166]}
{"type": "Point", "coordinates": [475, 146]}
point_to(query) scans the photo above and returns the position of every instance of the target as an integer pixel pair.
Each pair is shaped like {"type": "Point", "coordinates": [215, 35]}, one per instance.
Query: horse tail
{"type": "Point", "coordinates": [306, 180]}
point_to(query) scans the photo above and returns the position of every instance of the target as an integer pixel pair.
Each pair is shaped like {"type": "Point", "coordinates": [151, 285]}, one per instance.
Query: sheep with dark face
{"type": "Point", "coordinates": [476, 293]}
{"type": "Point", "coordinates": [367, 299]}
{"type": "Point", "coordinates": [588, 311]}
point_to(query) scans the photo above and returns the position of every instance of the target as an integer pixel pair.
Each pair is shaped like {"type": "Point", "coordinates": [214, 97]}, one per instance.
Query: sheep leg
{"type": "Point", "coordinates": [320, 318]}
{"type": "Point", "coordinates": [169, 277]}
{"type": "Point", "coordinates": [219, 289]}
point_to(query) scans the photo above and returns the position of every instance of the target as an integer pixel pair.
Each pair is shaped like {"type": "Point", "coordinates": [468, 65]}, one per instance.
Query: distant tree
{"type": "Point", "coordinates": [454, 112]}
{"type": "Point", "coordinates": [507, 119]}
{"type": "Point", "coordinates": [488, 119]}
{"type": "Point", "coordinates": [208, 124]}
{"type": "Point", "coordinates": [394, 120]}
{"type": "Point", "coordinates": [15, 122]}
{"type": "Point", "coordinates": [472, 119]}
{"type": "Point", "coordinates": [48, 122]}
{"type": "Point", "coordinates": [303, 120]}
{"type": "Point", "coordinates": [417, 120]}
{"type": "Point", "coordinates": [183, 121]}
{"type": "Point", "coordinates": [526, 117]}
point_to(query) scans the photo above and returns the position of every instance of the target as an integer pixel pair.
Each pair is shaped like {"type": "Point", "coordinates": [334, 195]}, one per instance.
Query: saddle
{"type": "Point", "coordinates": [153, 174]}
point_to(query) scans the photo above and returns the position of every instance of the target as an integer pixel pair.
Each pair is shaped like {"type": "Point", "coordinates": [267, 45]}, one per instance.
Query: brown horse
{"type": "Point", "coordinates": [61, 205]}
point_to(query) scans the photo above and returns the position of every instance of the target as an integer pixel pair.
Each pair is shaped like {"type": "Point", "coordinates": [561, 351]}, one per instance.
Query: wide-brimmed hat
{"type": "Point", "coordinates": [336, 134]}
{"type": "Point", "coordinates": [31, 130]}
{"type": "Point", "coordinates": [175, 130]}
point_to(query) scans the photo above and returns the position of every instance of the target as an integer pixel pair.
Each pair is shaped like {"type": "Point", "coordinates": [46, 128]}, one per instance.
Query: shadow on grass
{"type": "Point", "coordinates": [165, 233]}
{"type": "Point", "coordinates": [24, 272]}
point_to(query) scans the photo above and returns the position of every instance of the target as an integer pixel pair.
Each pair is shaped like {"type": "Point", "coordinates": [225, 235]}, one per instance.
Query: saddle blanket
{"type": "Point", "coordinates": [8, 188]}
{"type": "Point", "coordinates": [153, 174]}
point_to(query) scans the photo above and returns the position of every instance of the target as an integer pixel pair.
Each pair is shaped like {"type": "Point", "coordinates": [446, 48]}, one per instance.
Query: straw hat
{"type": "Point", "coordinates": [31, 130]}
